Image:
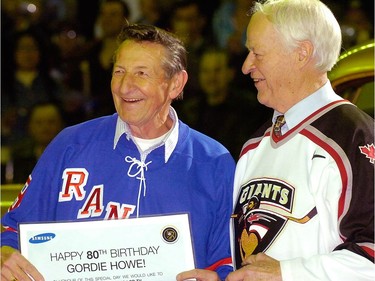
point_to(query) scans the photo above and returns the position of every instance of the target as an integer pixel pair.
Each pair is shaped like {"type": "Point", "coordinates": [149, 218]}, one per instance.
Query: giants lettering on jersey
{"type": "Point", "coordinates": [272, 191]}
{"type": "Point", "coordinates": [74, 182]}
{"type": "Point", "coordinates": [260, 215]}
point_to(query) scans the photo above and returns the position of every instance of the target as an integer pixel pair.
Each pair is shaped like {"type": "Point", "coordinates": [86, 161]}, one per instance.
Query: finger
{"type": "Point", "coordinates": [261, 257]}
{"type": "Point", "coordinates": [198, 275]}
{"type": "Point", "coordinates": [20, 268]}
{"type": "Point", "coordinates": [12, 272]}
{"type": "Point", "coordinates": [28, 272]}
{"type": "Point", "coordinates": [249, 260]}
{"type": "Point", "coordinates": [186, 275]}
{"type": "Point", "coordinates": [256, 258]}
{"type": "Point", "coordinates": [238, 275]}
{"type": "Point", "coordinates": [6, 274]}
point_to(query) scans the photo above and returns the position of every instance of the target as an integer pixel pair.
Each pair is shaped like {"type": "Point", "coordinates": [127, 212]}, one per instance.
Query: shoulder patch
{"type": "Point", "coordinates": [369, 151]}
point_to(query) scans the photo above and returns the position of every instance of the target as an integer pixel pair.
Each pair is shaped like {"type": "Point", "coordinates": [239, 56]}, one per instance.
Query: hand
{"type": "Point", "coordinates": [199, 275]}
{"type": "Point", "coordinates": [258, 267]}
{"type": "Point", "coordinates": [14, 266]}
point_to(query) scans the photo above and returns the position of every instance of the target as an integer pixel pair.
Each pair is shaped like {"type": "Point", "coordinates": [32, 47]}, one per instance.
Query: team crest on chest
{"type": "Point", "coordinates": [260, 215]}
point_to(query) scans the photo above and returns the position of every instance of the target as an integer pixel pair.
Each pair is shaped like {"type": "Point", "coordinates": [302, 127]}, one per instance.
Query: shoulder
{"type": "Point", "coordinates": [256, 137]}
{"type": "Point", "coordinates": [97, 129]}
{"type": "Point", "coordinates": [345, 121]}
{"type": "Point", "coordinates": [86, 139]}
{"type": "Point", "coordinates": [199, 145]}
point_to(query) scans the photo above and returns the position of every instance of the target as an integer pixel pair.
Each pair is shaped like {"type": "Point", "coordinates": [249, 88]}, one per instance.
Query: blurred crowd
{"type": "Point", "coordinates": [56, 62]}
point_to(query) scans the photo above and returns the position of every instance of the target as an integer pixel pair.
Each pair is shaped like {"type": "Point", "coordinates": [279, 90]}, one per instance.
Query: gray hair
{"type": "Point", "coordinates": [175, 60]}
{"type": "Point", "coordinates": [300, 20]}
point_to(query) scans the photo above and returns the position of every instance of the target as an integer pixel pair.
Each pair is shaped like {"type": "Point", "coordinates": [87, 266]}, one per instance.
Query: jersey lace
{"type": "Point", "coordinates": [137, 169]}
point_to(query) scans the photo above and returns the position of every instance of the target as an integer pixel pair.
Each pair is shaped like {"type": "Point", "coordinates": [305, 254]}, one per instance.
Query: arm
{"type": "Point", "coordinates": [344, 195]}
{"type": "Point", "coordinates": [33, 196]}
{"type": "Point", "coordinates": [219, 244]}
{"type": "Point", "coordinates": [218, 248]}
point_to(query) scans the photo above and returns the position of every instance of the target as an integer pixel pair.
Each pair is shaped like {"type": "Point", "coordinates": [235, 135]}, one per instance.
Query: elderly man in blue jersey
{"type": "Point", "coordinates": [310, 169]}
{"type": "Point", "coordinates": [142, 157]}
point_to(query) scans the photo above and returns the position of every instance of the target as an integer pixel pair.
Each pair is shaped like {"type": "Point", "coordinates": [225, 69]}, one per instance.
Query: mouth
{"type": "Point", "coordinates": [257, 80]}
{"type": "Point", "coordinates": [132, 100]}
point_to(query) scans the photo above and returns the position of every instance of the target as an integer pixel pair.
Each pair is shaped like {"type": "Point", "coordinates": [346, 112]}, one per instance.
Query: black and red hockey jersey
{"type": "Point", "coordinates": [307, 198]}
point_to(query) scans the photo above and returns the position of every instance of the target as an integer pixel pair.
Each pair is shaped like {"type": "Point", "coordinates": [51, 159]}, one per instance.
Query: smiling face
{"type": "Point", "coordinates": [271, 66]}
{"type": "Point", "coordinates": [142, 94]}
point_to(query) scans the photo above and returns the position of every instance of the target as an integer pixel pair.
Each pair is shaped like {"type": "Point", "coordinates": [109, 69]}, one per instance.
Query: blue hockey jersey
{"type": "Point", "coordinates": [91, 171]}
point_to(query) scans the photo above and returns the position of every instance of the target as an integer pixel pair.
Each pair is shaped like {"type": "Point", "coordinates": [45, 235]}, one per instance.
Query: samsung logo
{"type": "Point", "coordinates": [41, 238]}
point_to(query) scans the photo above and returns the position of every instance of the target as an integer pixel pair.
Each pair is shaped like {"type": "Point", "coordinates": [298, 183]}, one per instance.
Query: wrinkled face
{"type": "Point", "coordinates": [214, 76]}
{"type": "Point", "coordinates": [141, 92]}
{"type": "Point", "coordinates": [269, 64]}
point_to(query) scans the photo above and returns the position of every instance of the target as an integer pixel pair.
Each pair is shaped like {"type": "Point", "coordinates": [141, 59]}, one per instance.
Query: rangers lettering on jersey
{"type": "Point", "coordinates": [74, 181]}
{"type": "Point", "coordinates": [73, 187]}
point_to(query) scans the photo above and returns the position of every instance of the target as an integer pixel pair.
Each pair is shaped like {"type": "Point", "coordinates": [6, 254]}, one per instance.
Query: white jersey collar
{"type": "Point", "coordinates": [170, 141]}
{"type": "Point", "coordinates": [307, 106]}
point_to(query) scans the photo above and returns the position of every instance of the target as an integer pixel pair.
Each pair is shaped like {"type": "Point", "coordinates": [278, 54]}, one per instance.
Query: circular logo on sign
{"type": "Point", "coordinates": [170, 234]}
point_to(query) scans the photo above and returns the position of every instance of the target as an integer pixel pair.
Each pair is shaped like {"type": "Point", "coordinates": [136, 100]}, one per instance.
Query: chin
{"type": "Point", "coordinates": [261, 96]}
{"type": "Point", "coordinates": [262, 99]}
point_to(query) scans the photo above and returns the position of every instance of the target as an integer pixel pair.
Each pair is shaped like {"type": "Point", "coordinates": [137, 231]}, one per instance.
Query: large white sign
{"type": "Point", "coordinates": [142, 249]}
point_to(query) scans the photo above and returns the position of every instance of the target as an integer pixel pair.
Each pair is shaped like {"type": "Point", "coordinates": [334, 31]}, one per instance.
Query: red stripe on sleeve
{"type": "Point", "coordinates": [369, 251]}
{"type": "Point", "coordinates": [216, 265]}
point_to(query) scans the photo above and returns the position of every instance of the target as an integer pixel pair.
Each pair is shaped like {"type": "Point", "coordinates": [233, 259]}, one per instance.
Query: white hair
{"type": "Point", "coordinates": [305, 20]}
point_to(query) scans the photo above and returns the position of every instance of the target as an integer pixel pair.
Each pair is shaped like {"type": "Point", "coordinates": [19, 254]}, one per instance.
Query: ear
{"type": "Point", "coordinates": [178, 83]}
{"type": "Point", "coordinates": [305, 51]}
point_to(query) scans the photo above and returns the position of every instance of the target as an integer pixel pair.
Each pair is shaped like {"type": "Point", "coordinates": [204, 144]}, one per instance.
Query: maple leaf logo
{"type": "Point", "coordinates": [369, 151]}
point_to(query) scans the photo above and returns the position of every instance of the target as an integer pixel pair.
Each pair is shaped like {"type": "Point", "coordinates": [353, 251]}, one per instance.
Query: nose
{"type": "Point", "coordinates": [126, 82]}
{"type": "Point", "coordinates": [121, 83]}
{"type": "Point", "coordinates": [248, 65]}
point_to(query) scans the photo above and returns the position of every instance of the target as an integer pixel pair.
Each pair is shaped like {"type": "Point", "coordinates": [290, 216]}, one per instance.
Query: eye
{"type": "Point", "coordinates": [257, 56]}
{"type": "Point", "coordinates": [253, 52]}
{"type": "Point", "coordinates": [118, 72]}
{"type": "Point", "coordinates": [141, 73]}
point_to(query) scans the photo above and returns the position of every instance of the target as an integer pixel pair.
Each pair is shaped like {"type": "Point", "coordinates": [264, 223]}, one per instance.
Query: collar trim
{"type": "Point", "coordinates": [170, 141]}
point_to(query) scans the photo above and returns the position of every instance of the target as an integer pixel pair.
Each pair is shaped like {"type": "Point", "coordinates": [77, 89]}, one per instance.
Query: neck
{"type": "Point", "coordinates": [152, 132]}
{"type": "Point", "coordinates": [305, 88]}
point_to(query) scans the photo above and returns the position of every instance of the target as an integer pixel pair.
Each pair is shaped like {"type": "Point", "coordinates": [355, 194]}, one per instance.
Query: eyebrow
{"type": "Point", "coordinates": [249, 48]}
{"type": "Point", "coordinates": [136, 67]}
